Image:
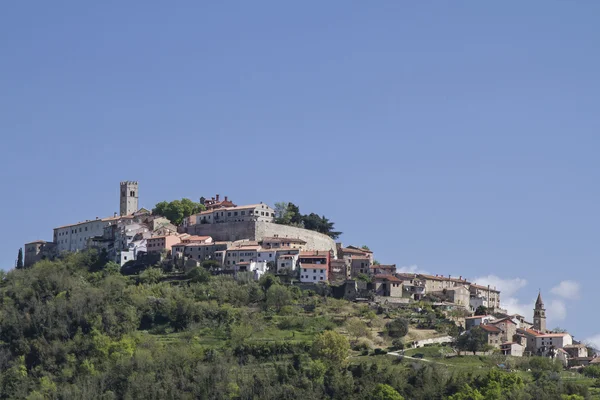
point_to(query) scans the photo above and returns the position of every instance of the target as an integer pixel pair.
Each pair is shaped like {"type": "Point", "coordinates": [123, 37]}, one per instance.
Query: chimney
{"type": "Point", "coordinates": [225, 198]}
{"type": "Point", "coordinates": [217, 197]}
{"type": "Point", "coordinates": [449, 277]}
{"type": "Point", "coordinates": [460, 278]}
{"type": "Point", "coordinates": [115, 214]}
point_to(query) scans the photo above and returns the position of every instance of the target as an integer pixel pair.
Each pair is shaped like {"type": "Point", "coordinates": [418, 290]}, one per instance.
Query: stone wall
{"type": "Point", "coordinates": [256, 230]}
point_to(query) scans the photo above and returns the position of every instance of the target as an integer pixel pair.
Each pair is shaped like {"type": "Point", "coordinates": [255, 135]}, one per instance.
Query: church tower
{"type": "Point", "coordinates": [539, 314]}
{"type": "Point", "coordinates": [129, 198]}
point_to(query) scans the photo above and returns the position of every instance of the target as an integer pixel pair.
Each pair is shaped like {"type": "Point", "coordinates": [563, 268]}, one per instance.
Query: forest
{"type": "Point", "coordinates": [76, 328]}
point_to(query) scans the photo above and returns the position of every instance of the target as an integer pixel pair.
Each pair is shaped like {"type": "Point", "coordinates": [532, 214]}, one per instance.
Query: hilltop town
{"type": "Point", "coordinates": [246, 240]}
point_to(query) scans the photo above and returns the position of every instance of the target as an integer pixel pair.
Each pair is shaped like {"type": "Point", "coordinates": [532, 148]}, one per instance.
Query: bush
{"type": "Point", "coordinates": [397, 328]}
{"type": "Point", "coordinates": [398, 344]}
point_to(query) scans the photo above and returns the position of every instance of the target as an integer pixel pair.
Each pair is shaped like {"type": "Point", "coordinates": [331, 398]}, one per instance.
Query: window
{"type": "Point", "coordinates": [314, 278]}
{"type": "Point", "coordinates": [243, 212]}
{"type": "Point", "coordinates": [235, 213]}
{"type": "Point", "coordinates": [229, 214]}
{"type": "Point", "coordinates": [132, 193]}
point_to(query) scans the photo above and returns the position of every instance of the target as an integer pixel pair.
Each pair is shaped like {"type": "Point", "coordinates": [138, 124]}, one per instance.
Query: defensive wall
{"type": "Point", "coordinates": [257, 230]}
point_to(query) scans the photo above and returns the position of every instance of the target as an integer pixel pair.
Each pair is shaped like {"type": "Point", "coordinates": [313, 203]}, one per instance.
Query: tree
{"type": "Point", "coordinates": [474, 340]}
{"type": "Point", "coordinates": [365, 247]}
{"type": "Point", "coordinates": [385, 392]}
{"type": "Point", "coordinates": [278, 296]}
{"type": "Point", "coordinates": [331, 347]}
{"type": "Point", "coordinates": [357, 328]}
{"type": "Point", "coordinates": [397, 328]}
{"type": "Point", "coordinates": [289, 214]}
{"type": "Point", "coordinates": [151, 275]}
{"type": "Point", "coordinates": [199, 275]}
{"type": "Point", "coordinates": [481, 310]}
{"type": "Point", "coordinates": [20, 259]}
{"type": "Point", "coordinates": [176, 210]}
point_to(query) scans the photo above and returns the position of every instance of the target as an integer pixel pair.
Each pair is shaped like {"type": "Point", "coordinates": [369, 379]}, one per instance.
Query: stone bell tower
{"type": "Point", "coordinates": [129, 197]}
{"type": "Point", "coordinates": [539, 314]}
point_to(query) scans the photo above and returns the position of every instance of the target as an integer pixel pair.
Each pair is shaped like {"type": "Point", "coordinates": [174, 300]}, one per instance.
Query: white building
{"type": "Point", "coordinates": [287, 261]}
{"type": "Point", "coordinates": [313, 273]}
{"type": "Point", "coordinates": [253, 212]}
{"type": "Point", "coordinates": [75, 237]}
{"type": "Point", "coordinates": [544, 344]}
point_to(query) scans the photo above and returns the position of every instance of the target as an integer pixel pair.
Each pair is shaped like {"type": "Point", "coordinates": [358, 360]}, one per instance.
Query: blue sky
{"type": "Point", "coordinates": [451, 138]}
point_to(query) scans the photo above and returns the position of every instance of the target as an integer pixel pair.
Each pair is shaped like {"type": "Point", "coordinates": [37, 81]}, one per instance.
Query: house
{"type": "Point", "coordinates": [197, 239]}
{"type": "Point", "coordinates": [512, 349]}
{"type": "Point", "coordinates": [379, 269]}
{"type": "Point", "coordinates": [215, 202]}
{"type": "Point", "coordinates": [286, 262]}
{"type": "Point", "coordinates": [491, 295]}
{"type": "Point", "coordinates": [277, 242]}
{"type": "Point", "coordinates": [266, 255]}
{"type": "Point", "coordinates": [412, 286]}
{"type": "Point", "coordinates": [508, 327]}
{"type": "Point", "coordinates": [359, 265]}
{"type": "Point", "coordinates": [546, 343]}
{"type": "Point", "coordinates": [158, 244]}
{"type": "Point", "coordinates": [493, 334]}
{"type": "Point", "coordinates": [240, 254]}
{"type": "Point", "coordinates": [253, 212]}
{"type": "Point", "coordinates": [74, 237]}
{"type": "Point", "coordinates": [438, 283]}
{"type": "Point", "coordinates": [198, 251]}
{"type": "Point", "coordinates": [578, 350]}
{"type": "Point", "coordinates": [471, 322]}
{"type": "Point", "coordinates": [38, 250]}
{"type": "Point", "coordinates": [387, 285]}
{"type": "Point", "coordinates": [458, 295]}
{"type": "Point", "coordinates": [339, 269]}
{"type": "Point", "coordinates": [530, 336]}
{"type": "Point", "coordinates": [313, 273]}
{"type": "Point", "coordinates": [353, 251]}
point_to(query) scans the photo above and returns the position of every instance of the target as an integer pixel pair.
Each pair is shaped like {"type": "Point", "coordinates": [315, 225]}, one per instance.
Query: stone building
{"type": "Point", "coordinates": [491, 295]}
{"type": "Point", "coordinates": [539, 314]}
{"type": "Point", "coordinates": [129, 198]}
{"type": "Point", "coordinates": [37, 251]}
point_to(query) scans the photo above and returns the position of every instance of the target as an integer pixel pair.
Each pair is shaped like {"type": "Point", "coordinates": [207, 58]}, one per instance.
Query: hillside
{"type": "Point", "coordinates": [75, 328]}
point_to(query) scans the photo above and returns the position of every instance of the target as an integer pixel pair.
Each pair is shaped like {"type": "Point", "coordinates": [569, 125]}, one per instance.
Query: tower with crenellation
{"type": "Point", "coordinates": [129, 197]}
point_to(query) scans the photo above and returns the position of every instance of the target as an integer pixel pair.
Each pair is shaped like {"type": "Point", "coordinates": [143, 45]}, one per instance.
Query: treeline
{"type": "Point", "coordinates": [289, 214]}
{"type": "Point", "coordinates": [71, 329]}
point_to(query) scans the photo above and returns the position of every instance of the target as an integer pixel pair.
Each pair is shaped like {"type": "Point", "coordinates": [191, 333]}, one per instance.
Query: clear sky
{"type": "Point", "coordinates": [451, 137]}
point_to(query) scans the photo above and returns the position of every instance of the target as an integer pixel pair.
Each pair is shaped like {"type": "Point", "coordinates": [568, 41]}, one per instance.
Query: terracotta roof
{"type": "Point", "coordinates": [197, 238]}
{"type": "Point", "coordinates": [354, 251]}
{"type": "Point", "coordinates": [244, 248]}
{"type": "Point", "coordinates": [384, 266]}
{"type": "Point", "coordinates": [243, 263]}
{"type": "Point", "coordinates": [549, 335]}
{"type": "Point", "coordinates": [37, 241]}
{"type": "Point", "coordinates": [360, 258]}
{"type": "Point", "coordinates": [358, 248]}
{"type": "Point", "coordinates": [484, 288]}
{"type": "Point", "coordinates": [314, 266]}
{"type": "Point", "coordinates": [390, 278]}
{"type": "Point", "coordinates": [491, 328]}
{"type": "Point", "coordinates": [504, 320]}
{"type": "Point", "coordinates": [595, 361]}
{"type": "Point", "coordinates": [242, 207]}
{"type": "Point", "coordinates": [442, 278]}
{"type": "Point", "coordinates": [531, 332]}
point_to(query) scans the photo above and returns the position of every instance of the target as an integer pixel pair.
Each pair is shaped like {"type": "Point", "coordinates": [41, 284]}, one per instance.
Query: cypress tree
{"type": "Point", "coordinates": [20, 259]}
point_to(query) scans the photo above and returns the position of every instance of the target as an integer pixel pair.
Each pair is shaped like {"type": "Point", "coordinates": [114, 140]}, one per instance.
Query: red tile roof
{"type": "Point", "coordinates": [491, 328]}
{"type": "Point", "coordinates": [390, 278]}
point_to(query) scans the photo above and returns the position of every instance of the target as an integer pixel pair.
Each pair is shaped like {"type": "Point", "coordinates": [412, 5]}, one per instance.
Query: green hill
{"type": "Point", "coordinates": [76, 328]}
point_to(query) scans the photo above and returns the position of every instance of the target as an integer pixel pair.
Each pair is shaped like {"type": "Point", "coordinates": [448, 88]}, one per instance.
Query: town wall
{"type": "Point", "coordinates": [257, 230]}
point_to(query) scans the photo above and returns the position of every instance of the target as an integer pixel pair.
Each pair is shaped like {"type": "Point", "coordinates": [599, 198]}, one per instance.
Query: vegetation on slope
{"type": "Point", "coordinates": [77, 328]}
